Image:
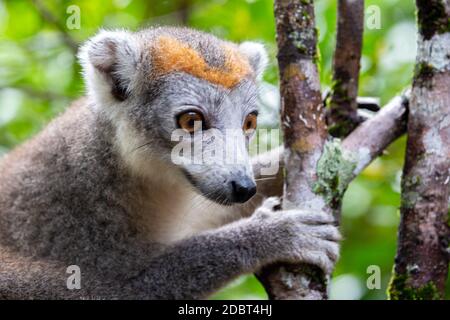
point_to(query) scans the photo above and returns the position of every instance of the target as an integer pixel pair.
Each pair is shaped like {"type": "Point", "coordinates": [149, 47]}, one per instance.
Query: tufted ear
{"type": "Point", "coordinates": [257, 56]}
{"type": "Point", "coordinates": [109, 62]}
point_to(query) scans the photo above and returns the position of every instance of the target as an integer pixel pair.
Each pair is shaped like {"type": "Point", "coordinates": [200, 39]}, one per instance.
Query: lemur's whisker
{"type": "Point", "coordinates": [141, 146]}
{"type": "Point", "coordinates": [262, 179]}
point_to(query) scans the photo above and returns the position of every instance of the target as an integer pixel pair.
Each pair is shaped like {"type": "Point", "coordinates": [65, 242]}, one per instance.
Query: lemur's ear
{"type": "Point", "coordinates": [109, 61]}
{"type": "Point", "coordinates": [257, 55]}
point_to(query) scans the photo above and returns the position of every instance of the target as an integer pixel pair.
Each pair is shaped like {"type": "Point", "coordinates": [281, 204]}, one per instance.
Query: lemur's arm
{"type": "Point", "coordinates": [192, 268]}
{"type": "Point", "coordinates": [27, 278]}
{"type": "Point", "coordinates": [195, 267]}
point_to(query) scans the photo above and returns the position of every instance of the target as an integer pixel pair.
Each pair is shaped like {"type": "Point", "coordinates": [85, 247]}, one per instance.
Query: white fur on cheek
{"type": "Point", "coordinates": [160, 217]}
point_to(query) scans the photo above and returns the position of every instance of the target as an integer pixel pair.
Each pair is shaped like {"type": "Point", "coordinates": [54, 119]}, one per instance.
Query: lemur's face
{"type": "Point", "coordinates": [187, 101]}
{"type": "Point", "coordinates": [205, 129]}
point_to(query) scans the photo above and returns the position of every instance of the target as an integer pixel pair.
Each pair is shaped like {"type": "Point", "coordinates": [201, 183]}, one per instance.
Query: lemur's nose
{"type": "Point", "coordinates": [243, 189]}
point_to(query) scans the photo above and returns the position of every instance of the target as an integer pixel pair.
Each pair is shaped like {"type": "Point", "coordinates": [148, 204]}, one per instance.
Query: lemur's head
{"type": "Point", "coordinates": [181, 100]}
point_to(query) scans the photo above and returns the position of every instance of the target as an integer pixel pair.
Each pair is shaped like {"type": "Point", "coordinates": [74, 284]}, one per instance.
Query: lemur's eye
{"type": "Point", "coordinates": [187, 121]}
{"type": "Point", "coordinates": [250, 123]}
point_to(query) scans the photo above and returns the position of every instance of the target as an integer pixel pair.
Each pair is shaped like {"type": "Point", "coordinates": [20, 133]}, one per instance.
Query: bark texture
{"type": "Point", "coordinates": [303, 122]}
{"type": "Point", "coordinates": [342, 114]}
{"type": "Point", "coordinates": [373, 136]}
{"type": "Point", "coordinates": [421, 264]}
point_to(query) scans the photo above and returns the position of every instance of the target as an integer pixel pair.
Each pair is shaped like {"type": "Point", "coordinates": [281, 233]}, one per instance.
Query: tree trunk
{"type": "Point", "coordinates": [303, 122]}
{"type": "Point", "coordinates": [421, 264]}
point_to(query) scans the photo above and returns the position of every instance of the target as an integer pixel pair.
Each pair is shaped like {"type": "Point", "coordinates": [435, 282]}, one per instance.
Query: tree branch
{"type": "Point", "coordinates": [48, 16]}
{"type": "Point", "coordinates": [304, 127]}
{"type": "Point", "coordinates": [373, 136]}
{"type": "Point", "coordinates": [363, 145]}
{"type": "Point", "coordinates": [342, 115]}
{"type": "Point", "coordinates": [421, 265]}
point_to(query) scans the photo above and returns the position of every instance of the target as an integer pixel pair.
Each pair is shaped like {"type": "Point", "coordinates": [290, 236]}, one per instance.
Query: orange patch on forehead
{"type": "Point", "coordinates": [171, 55]}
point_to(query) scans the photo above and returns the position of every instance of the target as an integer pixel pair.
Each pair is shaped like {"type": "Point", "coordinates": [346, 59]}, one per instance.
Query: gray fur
{"type": "Point", "coordinates": [96, 188]}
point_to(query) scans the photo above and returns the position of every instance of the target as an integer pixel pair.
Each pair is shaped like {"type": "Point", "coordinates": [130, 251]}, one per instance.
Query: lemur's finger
{"type": "Point", "coordinates": [330, 248]}
{"type": "Point", "coordinates": [271, 203]}
{"type": "Point", "coordinates": [319, 259]}
{"type": "Point", "coordinates": [325, 232]}
{"type": "Point", "coordinates": [310, 217]}
{"type": "Point", "coordinates": [333, 251]}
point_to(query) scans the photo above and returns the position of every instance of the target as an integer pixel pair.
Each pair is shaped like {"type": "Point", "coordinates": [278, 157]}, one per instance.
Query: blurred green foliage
{"type": "Point", "coordinates": [39, 76]}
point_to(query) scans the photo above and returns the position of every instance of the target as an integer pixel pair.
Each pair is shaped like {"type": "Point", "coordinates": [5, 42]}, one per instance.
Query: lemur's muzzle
{"type": "Point", "coordinates": [242, 189]}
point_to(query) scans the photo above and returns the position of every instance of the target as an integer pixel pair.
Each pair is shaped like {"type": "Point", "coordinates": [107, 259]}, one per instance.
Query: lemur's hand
{"type": "Point", "coordinates": [299, 236]}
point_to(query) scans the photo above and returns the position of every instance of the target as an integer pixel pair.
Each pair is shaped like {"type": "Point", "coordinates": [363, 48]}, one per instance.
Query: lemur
{"type": "Point", "coordinates": [97, 187]}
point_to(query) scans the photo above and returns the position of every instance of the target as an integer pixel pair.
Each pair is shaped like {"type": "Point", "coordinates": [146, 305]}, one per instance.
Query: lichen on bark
{"type": "Point", "coordinates": [399, 289]}
{"type": "Point", "coordinates": [423, 73]}
{"type": "Point", "coordinates": [334, 171]}
{"type": "Point", "coordinates": [409, 195]}
{"type": "Point", "coordinates": [432, 17]}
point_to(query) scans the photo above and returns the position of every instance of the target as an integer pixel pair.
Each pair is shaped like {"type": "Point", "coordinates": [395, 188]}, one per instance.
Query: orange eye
{"type": "Point", "coordinates": [250, 123]}
{"type": "Point", "coordinates": [187, 121]}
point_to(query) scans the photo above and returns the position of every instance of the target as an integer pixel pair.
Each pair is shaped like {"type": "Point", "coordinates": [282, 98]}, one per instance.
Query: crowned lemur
{"type": "Point", "coordinates": [97, 188]}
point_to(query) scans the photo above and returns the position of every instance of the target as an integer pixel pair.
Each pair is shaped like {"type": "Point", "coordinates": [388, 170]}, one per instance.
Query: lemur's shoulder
{"type": "Point", "coordinates": [68, 123]}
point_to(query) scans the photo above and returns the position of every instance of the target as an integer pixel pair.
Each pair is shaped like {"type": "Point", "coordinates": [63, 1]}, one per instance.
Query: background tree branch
{"type": "Point", "coordinates": [373, 136]}
{"type": "Point", "coordinates": [342, 116]}
{"type": "Point", "coordinates": [48, 16]}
